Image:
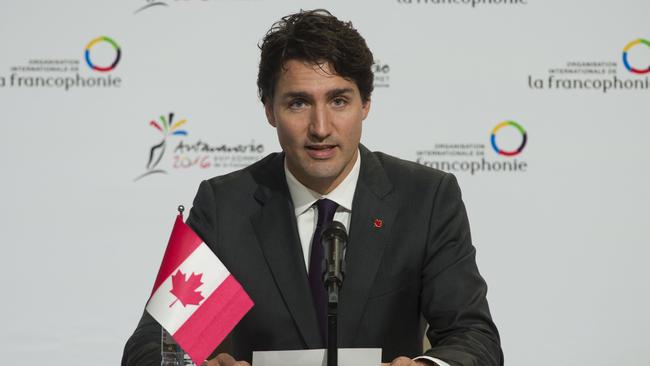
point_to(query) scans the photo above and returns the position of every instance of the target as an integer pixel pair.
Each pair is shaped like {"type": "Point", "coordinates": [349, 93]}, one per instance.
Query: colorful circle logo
{"type": "Point", "coordinates": [524, 138]}
{"type": "Point", "coordinates": [626, 61]}
{"type": "Point", "coordinates": [93, 43]}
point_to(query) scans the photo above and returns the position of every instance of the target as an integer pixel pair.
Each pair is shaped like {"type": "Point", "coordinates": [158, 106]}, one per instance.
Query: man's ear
{"type": "Point", "coordinates": [268, 109]}
{"type": "Point", "coordinates": [365, 109]}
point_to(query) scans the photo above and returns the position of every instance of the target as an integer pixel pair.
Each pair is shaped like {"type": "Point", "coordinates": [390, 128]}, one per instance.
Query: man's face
{"type": "Point", "coordinates": [318, 116]}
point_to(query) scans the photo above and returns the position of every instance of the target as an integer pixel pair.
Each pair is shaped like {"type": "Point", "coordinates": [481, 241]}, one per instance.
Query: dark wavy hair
{"type": "Point", "coordinates": [318, 37]}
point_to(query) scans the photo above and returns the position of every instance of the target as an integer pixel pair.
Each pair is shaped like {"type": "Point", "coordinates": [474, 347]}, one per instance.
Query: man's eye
{"type": "Point", "coordinates": [297, 104]}
{"type": "Point", "coordinates": [339, 102]}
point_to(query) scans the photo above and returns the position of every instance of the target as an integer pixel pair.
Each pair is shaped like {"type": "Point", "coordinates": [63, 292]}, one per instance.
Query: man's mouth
{"type": "Point", "coordinates": [320, 151]}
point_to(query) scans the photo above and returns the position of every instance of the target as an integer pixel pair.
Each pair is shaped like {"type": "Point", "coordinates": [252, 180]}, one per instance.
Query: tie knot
{"type": "Point", "coordinates": [326, 210]}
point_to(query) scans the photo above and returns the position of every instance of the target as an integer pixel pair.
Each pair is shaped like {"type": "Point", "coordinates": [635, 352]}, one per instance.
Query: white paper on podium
{"type": "Point", "coordinates": [316, 357]}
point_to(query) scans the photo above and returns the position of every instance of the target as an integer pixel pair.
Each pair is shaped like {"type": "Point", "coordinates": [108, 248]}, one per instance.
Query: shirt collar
{"type": "Point", "coordinates": [303, 198]}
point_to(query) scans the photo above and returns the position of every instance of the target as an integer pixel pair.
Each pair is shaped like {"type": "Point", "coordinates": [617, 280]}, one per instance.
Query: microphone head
{"type": "Point", "coordinates": [336, 229]}
{"type": "Point", "coordinates": [334, 240]}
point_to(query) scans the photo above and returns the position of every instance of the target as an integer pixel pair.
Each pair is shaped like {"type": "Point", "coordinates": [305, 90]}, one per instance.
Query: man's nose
{"type": "Point", "coordinates": [320, 125]}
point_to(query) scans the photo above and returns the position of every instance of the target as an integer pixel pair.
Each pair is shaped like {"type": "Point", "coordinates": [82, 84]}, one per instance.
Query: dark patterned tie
{"type": "Point", "coordinates": [326, 210]}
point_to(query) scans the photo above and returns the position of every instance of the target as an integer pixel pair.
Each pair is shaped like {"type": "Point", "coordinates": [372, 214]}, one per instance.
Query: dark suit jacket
{"type": "Point", "coordinates": [417, 268]}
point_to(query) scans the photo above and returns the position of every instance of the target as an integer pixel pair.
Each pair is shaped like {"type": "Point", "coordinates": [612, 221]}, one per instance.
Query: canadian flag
{"type": "Point", "coordinates": [194, 297]}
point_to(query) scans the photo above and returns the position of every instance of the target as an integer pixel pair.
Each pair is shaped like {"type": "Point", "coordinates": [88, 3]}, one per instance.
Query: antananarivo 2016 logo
{"type": "Point", "coordinates": [381, 71]}
{"type": "Point", "coordinates": [194, 154]}
{"type": "Point", "coordinates": [150, 4]}
{"type": "Point", "coordinates": [167, 127]}
{"type": "Point", "coordinates": [473, 158]}
{"type": "Point", "coordinates": [65, 73]}
{"type": "Point", "coordinates": [601, 75]}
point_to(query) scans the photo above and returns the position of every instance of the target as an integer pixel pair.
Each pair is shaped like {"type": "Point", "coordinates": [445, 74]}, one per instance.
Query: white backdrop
{"type": "Point", "coordinates": [561, 241]}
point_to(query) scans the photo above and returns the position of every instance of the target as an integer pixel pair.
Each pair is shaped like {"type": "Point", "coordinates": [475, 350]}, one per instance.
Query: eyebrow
{"type": "Point", "coordinates": [304, 95]}
{"type": "Point", "coordinates": [334, 92]}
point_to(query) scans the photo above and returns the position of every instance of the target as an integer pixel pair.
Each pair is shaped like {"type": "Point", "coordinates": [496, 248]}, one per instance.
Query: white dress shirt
{"type": "Point", "coordinates": [304, 200]}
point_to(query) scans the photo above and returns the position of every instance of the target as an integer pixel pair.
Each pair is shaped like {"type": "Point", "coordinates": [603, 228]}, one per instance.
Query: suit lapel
{"type": "Point", "coordinates": [367, 240]}
{"type": "Point", "coordinates": [276, 231]}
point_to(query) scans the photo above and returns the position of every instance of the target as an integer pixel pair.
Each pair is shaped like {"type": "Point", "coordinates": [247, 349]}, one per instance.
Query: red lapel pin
{"type": "Point", "coordinates": [378, 223]}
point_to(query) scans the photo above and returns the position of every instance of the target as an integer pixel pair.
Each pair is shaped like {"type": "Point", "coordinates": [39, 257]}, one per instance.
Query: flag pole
{"type": "Point", "coordinates": [181, 208]}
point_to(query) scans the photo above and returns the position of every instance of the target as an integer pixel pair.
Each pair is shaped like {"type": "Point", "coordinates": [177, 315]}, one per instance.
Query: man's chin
{"type": "Point", "coordinates": [320, 173]}
{"type": "Point", "coordinates": [323, 174]}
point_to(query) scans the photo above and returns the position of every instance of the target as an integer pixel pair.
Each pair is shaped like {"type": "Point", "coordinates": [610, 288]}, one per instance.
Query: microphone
{"type": "Point", "coordinates": [334, 240]}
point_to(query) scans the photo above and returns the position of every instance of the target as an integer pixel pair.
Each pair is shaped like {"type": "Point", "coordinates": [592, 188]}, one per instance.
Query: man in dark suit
{"type": "Point", "coordinates": [410, 261]}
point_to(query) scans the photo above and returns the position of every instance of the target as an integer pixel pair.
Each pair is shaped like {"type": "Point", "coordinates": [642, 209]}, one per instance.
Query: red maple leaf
{"type": "Point", "coordinates": [185, 290]}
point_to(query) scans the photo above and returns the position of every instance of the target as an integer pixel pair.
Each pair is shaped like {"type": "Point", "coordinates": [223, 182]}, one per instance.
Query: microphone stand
{"type": "Point", "coordinates": [332, 323]}
{"type": "Point", "coordinates": [334, 242]}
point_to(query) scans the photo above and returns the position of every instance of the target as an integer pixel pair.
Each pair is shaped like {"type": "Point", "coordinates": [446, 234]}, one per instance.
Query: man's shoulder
{"type": "Point", "coordinates": [398, 169]}
{"type": "Point", "coordinates": [407, 180]}
{"type": "Point", "coordinates": [248, 178]}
